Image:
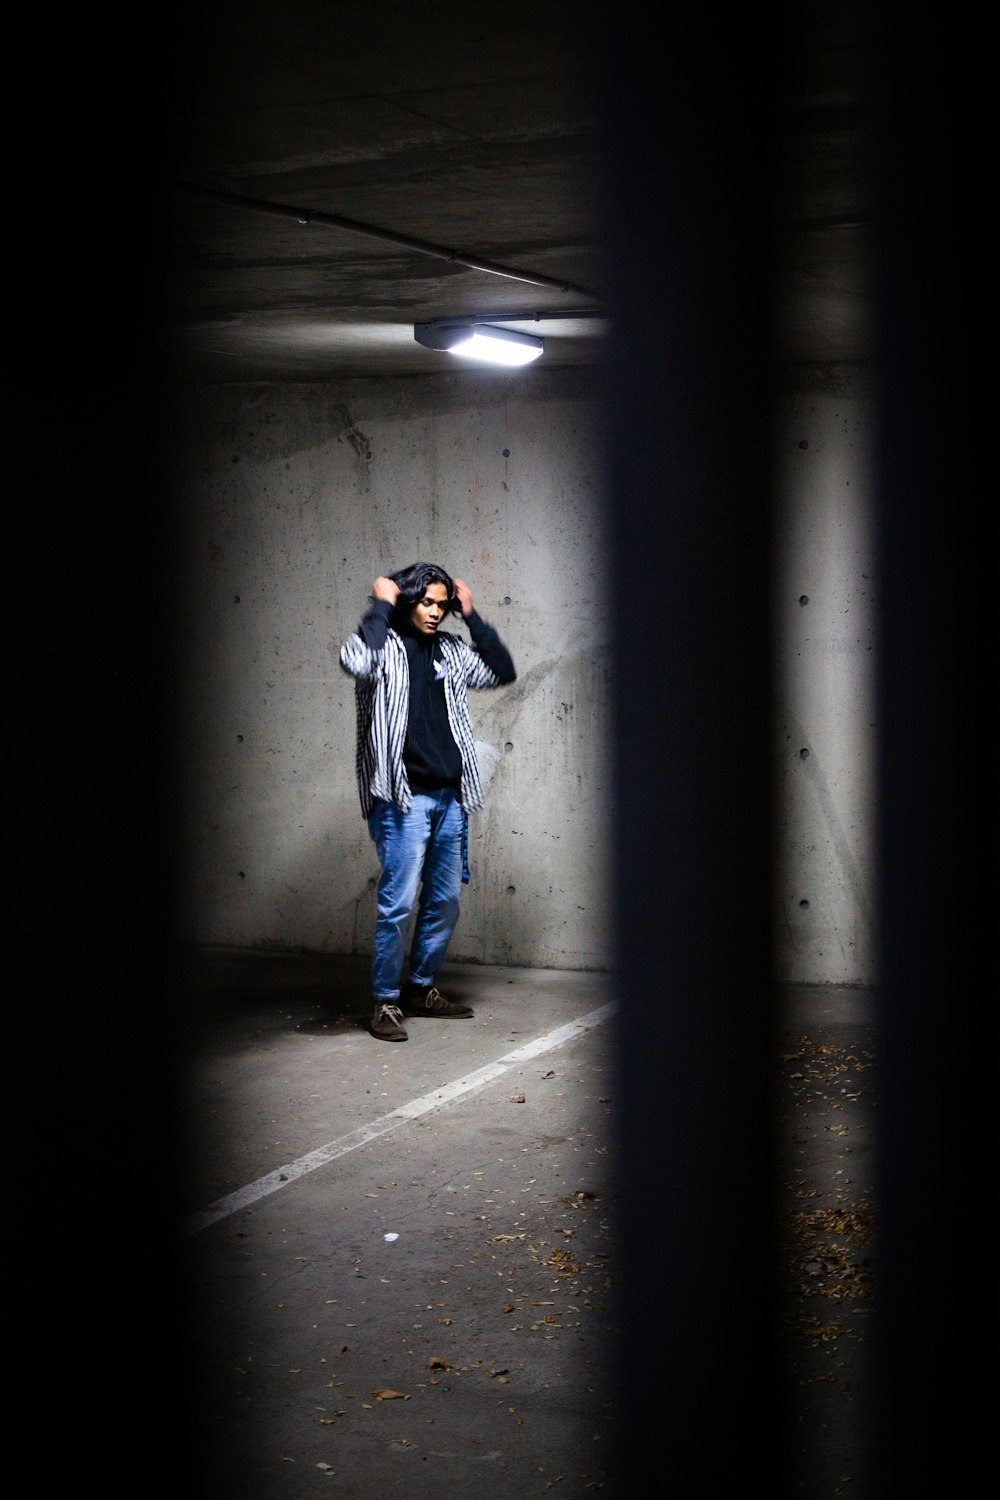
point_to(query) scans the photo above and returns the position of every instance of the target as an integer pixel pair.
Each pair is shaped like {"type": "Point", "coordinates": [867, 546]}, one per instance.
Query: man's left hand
{"type": "Point", "coordinates": [464, 595]}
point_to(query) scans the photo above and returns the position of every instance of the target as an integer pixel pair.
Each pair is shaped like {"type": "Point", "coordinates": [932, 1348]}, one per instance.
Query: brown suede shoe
{"type": "Point", "coordinates": [431, 1002]}
{"type": "Point", "coordinates": [386, 1023]}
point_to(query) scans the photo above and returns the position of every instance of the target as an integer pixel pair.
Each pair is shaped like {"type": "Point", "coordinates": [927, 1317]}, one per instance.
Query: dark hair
{"type": "Point", "coordinates": [413, 582]}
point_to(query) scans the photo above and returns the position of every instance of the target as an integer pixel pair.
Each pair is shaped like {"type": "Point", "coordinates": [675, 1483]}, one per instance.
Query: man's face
{"type": "Point", "coordinates": [429, 611]}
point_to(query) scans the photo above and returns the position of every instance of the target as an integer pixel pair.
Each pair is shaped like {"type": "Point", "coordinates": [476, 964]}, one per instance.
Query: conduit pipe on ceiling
{"type": "Point", "coordinates": [307, 216]}
{"type": "Point", "coordinates": [553, 314]}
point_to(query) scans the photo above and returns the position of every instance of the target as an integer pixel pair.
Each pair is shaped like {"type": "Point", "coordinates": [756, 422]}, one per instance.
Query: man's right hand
{"type": "Point", "coordinates": [384, 588]}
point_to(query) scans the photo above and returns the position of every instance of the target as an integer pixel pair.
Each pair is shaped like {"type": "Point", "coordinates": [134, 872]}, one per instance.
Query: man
{"type": "Point", "coordinates": [418, 775]}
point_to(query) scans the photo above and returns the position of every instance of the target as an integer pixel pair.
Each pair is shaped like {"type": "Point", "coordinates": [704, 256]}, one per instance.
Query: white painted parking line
{"type": "Point", "coordinates": [272, 1182]}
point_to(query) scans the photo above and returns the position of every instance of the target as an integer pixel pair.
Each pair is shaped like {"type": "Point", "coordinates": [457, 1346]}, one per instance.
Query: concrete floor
{"type": "Point", "coordinates": [400, 1258]}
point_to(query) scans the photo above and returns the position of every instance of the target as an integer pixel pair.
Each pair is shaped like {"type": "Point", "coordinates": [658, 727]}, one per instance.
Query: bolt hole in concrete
{"type": "Point", "coordinates": [508, 745]}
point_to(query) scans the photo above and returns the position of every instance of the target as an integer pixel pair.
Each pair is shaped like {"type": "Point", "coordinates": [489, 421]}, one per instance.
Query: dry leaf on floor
{"type": "Point", "coordinates": [384, 1394]}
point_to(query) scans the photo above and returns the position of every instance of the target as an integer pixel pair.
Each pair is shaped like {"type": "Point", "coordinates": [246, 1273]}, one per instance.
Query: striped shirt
{"type": "Point", "coordinates": [382, 695]}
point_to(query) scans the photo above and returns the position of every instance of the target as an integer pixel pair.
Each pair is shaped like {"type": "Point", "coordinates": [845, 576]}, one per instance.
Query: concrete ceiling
{"type": "Point", "coordinates": [414, 129]}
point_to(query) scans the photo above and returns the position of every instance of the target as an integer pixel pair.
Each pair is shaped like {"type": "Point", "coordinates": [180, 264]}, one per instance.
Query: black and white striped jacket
{"type": "Point", "coordinates": [382, 693]}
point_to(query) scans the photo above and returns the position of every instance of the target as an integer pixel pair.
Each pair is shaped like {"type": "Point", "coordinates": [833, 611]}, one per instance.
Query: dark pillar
{"type": "Point", "coordinates": [90, 998]}
{"type": "Point", "coordinates": [688, 216]}
{"type": "Point", "coordinates": [936, 1290]}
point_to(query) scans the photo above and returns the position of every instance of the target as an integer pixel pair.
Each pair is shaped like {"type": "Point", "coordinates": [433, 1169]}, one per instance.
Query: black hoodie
{"type": "Point", "coordinates": [430, 755]}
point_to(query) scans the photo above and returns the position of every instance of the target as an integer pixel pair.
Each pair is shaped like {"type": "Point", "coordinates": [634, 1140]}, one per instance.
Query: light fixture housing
{"type": "Point", "coordinates": [480, 341]}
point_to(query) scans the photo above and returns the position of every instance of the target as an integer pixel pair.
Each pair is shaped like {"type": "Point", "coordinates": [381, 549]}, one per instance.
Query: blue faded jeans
{"type": "Point", "coordinates": [420, 851]}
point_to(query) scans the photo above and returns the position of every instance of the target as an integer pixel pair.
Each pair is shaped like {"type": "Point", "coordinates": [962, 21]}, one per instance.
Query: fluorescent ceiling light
{"type": "Point", "coordinates": [498, 346]}
{"type": "Point", "coordinates": [480, 341]}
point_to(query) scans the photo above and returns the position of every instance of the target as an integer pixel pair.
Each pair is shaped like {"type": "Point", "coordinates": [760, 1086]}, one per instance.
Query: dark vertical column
{"type": "Point", "coordinates": [688, 221]}
{"type": "Point", "coordinates": [937, 1266]}
{"type": "Point", "coordinates": [90, 1027]}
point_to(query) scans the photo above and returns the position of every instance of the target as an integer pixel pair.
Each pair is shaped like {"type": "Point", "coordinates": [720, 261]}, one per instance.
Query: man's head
{"type": "Point", "coordinates": [426, 595]}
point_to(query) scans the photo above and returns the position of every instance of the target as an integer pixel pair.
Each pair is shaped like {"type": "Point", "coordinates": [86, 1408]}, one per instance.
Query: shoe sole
{"type": "Point", "coordinates": [436, 1015]}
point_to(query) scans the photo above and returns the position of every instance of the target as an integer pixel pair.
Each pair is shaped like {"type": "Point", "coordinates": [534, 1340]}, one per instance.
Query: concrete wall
{"type": "Point", "coordinates": [825, 727]}
{"type": "Point", "coordinates": [291, 500]}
